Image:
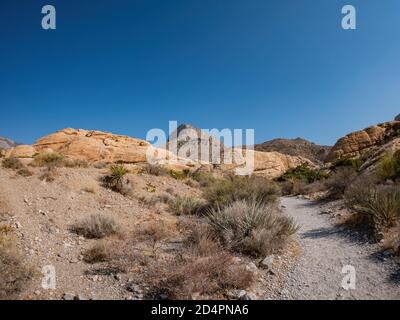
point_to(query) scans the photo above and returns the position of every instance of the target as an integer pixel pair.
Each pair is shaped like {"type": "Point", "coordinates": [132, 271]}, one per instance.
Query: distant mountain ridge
{"type": "Point", "coordinates": [295, 147]}
{"type": "Point", "coordinates": [6, 143]}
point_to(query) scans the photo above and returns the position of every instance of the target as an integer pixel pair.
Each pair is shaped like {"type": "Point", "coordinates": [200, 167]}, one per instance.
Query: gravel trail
{"type": "Point", "coordinates": [326, 249]}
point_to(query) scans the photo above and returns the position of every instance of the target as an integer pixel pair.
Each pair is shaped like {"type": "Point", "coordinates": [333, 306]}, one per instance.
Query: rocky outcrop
{"type": "Point", "coordinates": [295, 147]}
{"type": "Point", "coordinates": [365, 142]}
{"type": "Point", "coordinates": [97, 146]}
{"type": "Point", "coordinates": [397, 118]}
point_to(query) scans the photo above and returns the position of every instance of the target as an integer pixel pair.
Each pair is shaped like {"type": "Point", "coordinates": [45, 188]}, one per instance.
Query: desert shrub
{"type": "Point", "coordinates": [338, 181]}
{"type": "Point", "coordinates": [155, 230]}
{"type": "Point", "coordinates": [389, 166]}
{"type": "Point", "coordinates": [99, 252]}
{"type": "Point", "coordinates": [12, 163]}
{"type": "Point", "coordinates": [179, 175]}
{"type": "Point", "coordinates": [96, 226]}
{"type": "Point", "coordinates": [75, 163]}
{"type": "Point", "coordinates": [349, 162]}
{"type": "Point", "coordinates": [202, 240]}
{"type": "Point", "coordinates": [24, 172]}
{"type": "Point", "coordinates": [380, 203]}
{"type": "Point", "coordinates": [186, 205]}
{"type": "Point", "coordinates": [48, 174]}
{"type": "Point", "coordinates": [303, 173]}
{"type": "Point", "coordinates": [233, 188]}
{"type": "Point", "coordinates": [181, 277]}
{"type": "Point", "coordinates": [156, 170]}
{"type": "Point", "coordinates": [116, 180]}
{"type": "Point", "coordinates": [47, 159]}
{"type": "Point", "coordinates": [15, 272]}
{"type": "Point", "coordinates": [251, 227]}
{"type": "Point", "coordinates": [205, 179]}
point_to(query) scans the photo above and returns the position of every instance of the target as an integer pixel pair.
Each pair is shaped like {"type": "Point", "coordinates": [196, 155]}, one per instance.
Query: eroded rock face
{"type": "Point", "coordinates": [94, 146]}
{"type": "Point", "coordinates": [365, 141]}
{"type": "Point", "coordinates": [21, 151]}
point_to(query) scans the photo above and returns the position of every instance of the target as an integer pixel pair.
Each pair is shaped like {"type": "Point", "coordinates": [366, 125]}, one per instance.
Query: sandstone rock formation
{"type": "Point", "coordinates": [365, 142]}
{"type": "Point", "coordinates": [97, 146]}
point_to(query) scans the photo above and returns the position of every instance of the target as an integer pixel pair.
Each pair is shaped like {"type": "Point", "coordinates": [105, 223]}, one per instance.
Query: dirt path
{"type": "Point", "coordinates": [326, 248]}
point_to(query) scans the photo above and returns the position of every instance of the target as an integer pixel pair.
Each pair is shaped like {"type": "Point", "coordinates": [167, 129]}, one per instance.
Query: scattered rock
{"type": "Point", "coordinates": [68, 296]}
{"type": "Point", "coordinates": [267, 262]}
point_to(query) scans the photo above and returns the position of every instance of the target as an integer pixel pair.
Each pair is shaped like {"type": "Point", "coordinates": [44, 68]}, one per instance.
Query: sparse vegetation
{"type": "Point", "coordinates": [303, 173]}
{"type": "Point", "coordinates": [24, 172]}
{"type": "Point", "coordinates": [75, 163]}
{"type": "Point", "coordinates": [186, 205]}
{"type": "Point", "coordinates": [380, 203]}
{"type": "Point", "coordinates": [99, 252]}
{"type": "Point", "coordinates": [225, 191]}
{"type": "Point", "coordinates": [338, 181]}
{"type": "Point", "coordinates": [354, 163]}
{"type": "Point", "coordinates": [49, 174]}
{"type": "Point", "coordinates": [181, 278]}
{"type": "Point", "coordinates": [47, 159]}
{"type": "Point", "coordinates": [156, 170]}
{"type": "Point", "coordinates": [117, 181]}
{"type": "Point", "coordinates": [12, 163]}
{"type": "Point", "coordinates": [389, 166]}
{"type": "Point", "coordinates": [96, 226]}
{"type": "Point", "coordinates": [251, 227]}
{"type": "Point", "coordinates": [15, 272]}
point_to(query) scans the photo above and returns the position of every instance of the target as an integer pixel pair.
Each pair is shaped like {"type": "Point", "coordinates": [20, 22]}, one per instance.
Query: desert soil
{"type": "Point", "coordinates": [326, 249]}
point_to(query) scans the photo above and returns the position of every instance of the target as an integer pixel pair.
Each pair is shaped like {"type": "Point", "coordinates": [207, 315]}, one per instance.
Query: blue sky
{"type": "Point", "coordinates": [282, 67]}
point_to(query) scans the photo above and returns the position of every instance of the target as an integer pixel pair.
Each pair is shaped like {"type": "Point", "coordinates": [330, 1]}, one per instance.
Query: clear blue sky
{"type": "Point", "coordinates": [282, 67]}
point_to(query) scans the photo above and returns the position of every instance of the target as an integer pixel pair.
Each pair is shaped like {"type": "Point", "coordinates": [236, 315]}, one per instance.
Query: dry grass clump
{"type": "Point", "coordinates": [182, 277]}
{"type": "Point", "coordinates": [251, 227]}
{"type": "Point", "coordinates": [154, 230]}
{"type": "Point", "coordinates": [96, 226]}
{"type": "Point", "coordinates": [156, 170]}
{"type": "Point", "coordinates": [25, 172]}
{"type": "Point", "coordinates": [379, 203]}
{"type": "Point", "coordinates": [99, 252]}
{"type": "Point", "coordinates": [49, 174]}
{"type": "Point", "coordinates": [12, 163]}
{"type": "Point", "coordinates": [186, 205]}
{"type": "Point", "coordinates": [116, 180]}
{"type": "Point", "coordinates": [225, 191]}
{"type": "Point", "coordinates": [338, 181]}
{"type": "Point", "coordinates": [15, 272]}
{"type": "Point", "coordinates": [44, 159]}
{"type": "Point", "coordinates": [75, 163]}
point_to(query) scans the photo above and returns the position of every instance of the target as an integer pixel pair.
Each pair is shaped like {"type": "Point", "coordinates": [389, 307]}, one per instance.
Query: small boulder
{"type": "Point", "coordinates": [267, 262]}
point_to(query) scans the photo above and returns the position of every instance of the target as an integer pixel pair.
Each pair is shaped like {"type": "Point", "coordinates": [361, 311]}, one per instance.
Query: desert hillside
{"type": "Point", "coordinates": [295, 147]}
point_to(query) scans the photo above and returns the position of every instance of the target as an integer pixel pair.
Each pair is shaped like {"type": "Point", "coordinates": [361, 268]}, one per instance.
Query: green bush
{"type": "Point", "coordinates": [389, 166]}
{"type": "Point", "coordinates": [116, 181]}
{"type": "Point", "coordinates": [349, 162]}
{"type": "Point", "coordinates": [225, 191]}
{"type": "Point", "coordinates": [251, 227]}
{"type": "Point", "coordinates": [303, 173]}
